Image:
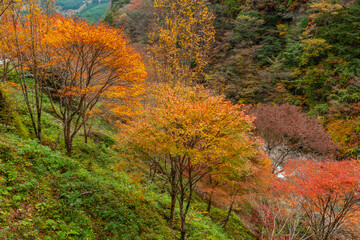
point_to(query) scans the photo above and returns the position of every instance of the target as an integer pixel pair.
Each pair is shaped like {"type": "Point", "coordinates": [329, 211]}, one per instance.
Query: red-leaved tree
{"type": "Point", "coordinates": [328, 193]}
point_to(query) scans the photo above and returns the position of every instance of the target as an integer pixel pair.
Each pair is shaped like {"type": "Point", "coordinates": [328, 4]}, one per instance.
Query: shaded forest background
{"type": "Point", "coordinates": [297, 52]}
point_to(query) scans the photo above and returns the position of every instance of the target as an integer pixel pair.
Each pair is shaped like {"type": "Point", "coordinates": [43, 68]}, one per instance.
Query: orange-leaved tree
{"type": "Point", "coordinates": [25, 52]}
{"type": "Point", "coordinates": [88, 64]}
{"type": "Point", "coordinates": [328, 193]}
{"type": "Point", "coordinates": [5, 6]}
{"type": "Point", "coordinates": [7, 45]}
{"type": "Point", "coordinates": [188, 133]}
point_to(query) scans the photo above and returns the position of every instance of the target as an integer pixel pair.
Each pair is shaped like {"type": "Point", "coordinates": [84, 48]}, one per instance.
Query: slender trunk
{"type": "Point", "coordinates": [67, 137]}
{"type": "Point", "coordinates": [182, 216]}
{"type": "Point", "coordinates": [37, 83]}
{"type": "Point", "coordinates": [228, 214]}
{"type": "Point", "coordinates": [172, 208]}
{"type": "Point", "coordinates": [182, 201]}
{"type": "Point", "coordinates": [39, 111]}
{"type": "Point", "coordinates": [5, 64]}
{"type": "Point", "coordinates": [85, 133]}
{"type": "Point", "coordinates": [209, 203]}
{"type": "Point", "coordinates": [183, 228]}
{"type": "Point", "coordinates": [24, 86]}
{"type": "Point", "coordinates": [173, 192]}
{"type": "Point", "coordinates": [182, 210]}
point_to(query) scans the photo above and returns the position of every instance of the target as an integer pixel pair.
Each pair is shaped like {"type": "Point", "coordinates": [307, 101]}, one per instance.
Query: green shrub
{"type": "Point", "coordinates": [10, 120]}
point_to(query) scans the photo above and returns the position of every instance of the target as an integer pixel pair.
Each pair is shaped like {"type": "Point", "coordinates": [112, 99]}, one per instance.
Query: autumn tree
{"type": "Point", "coordinates": [87, 64]}
{"type": "Point", "coordinates": [287, 132]}
{"type": "Point", "coordinates": [7, 46]}
{"type": "Point", "coordinates": [236, 187]}
{"type": "Point", "coordinates": [5, 6]}
{"type": "Point", "coordinates": [229, 189]}
{"type": "Point", "coordinates": [272, 218]}
{"type": "Point", "coordinates": [181, 39]}
{"type": "Point", "coordinates": [270, 214]}
{"type": "Point", "coordinates": [188, 133]}
{"type": "Point", "coordinates": [328, 193]}
{"type": "Point", "coordinates": [26, 51]}
{"type": "Point", "coordinates": [6, 36]}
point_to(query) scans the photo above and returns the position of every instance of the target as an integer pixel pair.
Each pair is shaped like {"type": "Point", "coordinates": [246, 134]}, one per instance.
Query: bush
{"type": "Point", "coordinates": [9, 119]}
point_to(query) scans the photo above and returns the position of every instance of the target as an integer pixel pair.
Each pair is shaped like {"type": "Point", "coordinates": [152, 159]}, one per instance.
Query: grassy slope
{"type": "Point", "coordinates": [93, 195]}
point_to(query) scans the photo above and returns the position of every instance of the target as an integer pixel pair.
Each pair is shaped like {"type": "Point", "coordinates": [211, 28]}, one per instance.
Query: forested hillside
{"type": "Point", "coordinates": [302, 53]}
{"type": "Point", "coordinates": [180, 119]}
{"type": "Point", "coordinates": [92, 10]}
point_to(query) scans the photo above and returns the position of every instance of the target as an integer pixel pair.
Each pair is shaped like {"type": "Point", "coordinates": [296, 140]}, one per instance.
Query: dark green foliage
{"type": "Point", "coordinates": [109, 18]}
{"type": "Point", "coordinates": [70, 4]}
{"type": "Point", "coordinates": [272, 20]}
{"type": "Point", "coordinates": [232, 7]}
{"type": "Point", "coordinates": [248, 26]}
{"type": "Point", "coordinates": [270, 48]}
{"type": "Point", "coordinates": [117, 4]}
{"type": "Point", "coordinates": [291, 54]}
{"type": "Point", "coordinates": [342, 32]}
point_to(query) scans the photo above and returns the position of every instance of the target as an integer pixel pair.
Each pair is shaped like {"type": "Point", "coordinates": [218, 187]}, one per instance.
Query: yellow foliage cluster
{"type": "Point", "coordinates": [324, 6]}
{"type": "Point", "coordinates": [313, 47]}
{"type": "Point", "coordinates": [181, 39]}
{"type": "Point", "coordinates": [342, 131]}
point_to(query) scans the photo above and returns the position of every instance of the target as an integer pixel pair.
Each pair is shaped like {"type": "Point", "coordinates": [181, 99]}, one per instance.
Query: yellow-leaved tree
{"type": "Point", "coordinates": [187, 134]}
{"type": "Point", "coordinates": [181, 40]}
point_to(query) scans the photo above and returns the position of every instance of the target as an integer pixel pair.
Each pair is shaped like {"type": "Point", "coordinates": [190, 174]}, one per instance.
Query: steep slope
{"type": "Point", "coordinates": [95, 194]}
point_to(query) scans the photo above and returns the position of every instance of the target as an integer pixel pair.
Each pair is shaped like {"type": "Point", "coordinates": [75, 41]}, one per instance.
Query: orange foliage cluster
{"type": "Point", "coordinates": [191, 121]}
{"type": "Point", "coordinates": [189, 134]}
{"type": "Point", "coordinates": [316, 180]}
{"type": "Point", "coordinates": [96, 59]}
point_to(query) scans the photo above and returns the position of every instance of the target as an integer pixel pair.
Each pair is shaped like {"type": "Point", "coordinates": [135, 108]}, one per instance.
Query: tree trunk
{"type": "Point", "coordinates": [172, 208]}
{"type": "Point", "coordinates": [209, 203]}
{"type": "Point", "coordinates": [39, 112]}
{"type": "Point", "coordinates": [68, 138]}
{"type": "Point", "coordinates": [228, 215]}
{"type": "Point", "coordinates": [184, 204]}
{"type": "Point", "coordinates": [173, 192]}
{"type": "Point", "coordinates": [85, 133]}
{"type": "Point", "coordinates": [5, 64]}
{"type": "Point", "coordinates": [183, 228]}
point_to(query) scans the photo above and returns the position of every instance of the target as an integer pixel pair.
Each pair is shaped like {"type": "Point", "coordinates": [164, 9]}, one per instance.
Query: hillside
{"type": "Point", "coordinates": [296, 52]}
{"type": "Point", "coordinates": [180, 119]}
{"type": "Point", "coordinates": [95, 194]}
{"type": "Point", "coordinates": [91, 10]}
